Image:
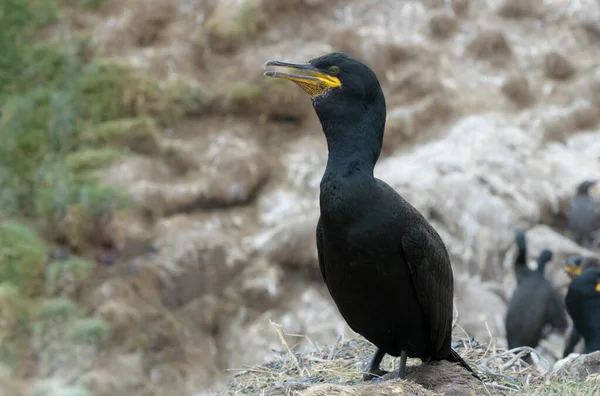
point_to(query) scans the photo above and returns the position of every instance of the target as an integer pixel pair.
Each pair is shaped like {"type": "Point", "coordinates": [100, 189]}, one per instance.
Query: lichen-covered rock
{"type": "Point", "coordinates": [116, 90]}
{"type": "Point", "coordinates": [442, 25]}
{"type": "Point", "coordinates": [557, 66]}
{"type": "Point", "coordinates": [232, 22]}
{"type": "Point", "coordinates": [229, 172]}
{"type": "Point", "coordinates": [309, 314]}
{"type": "Point", "coordinates": [517, 89]}
{"type": "Point", "coordinates": [480, 310]}
{"type": "Point", "coordinates": [491, 45]}
{"type": "Point", "coordinates": [193, 260]}
{"type": "Point", "coordinates": [578, 367]}
{"type": "Point", "coordinates": [269, 97]}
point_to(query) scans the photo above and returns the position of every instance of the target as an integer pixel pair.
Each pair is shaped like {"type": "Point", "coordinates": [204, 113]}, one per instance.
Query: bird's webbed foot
{"type": "Point", "coordinates": [373, 372]}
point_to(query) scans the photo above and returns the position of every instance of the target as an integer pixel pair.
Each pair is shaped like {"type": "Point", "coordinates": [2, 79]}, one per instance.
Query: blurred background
{"type": "Point", "coordinates": [159, 195]}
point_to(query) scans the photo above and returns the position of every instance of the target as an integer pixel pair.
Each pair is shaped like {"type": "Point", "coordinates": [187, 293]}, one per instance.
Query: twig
{"type": "Point", "coordinates": [335, 347]}
{"type": "Point", "coordinates": [286, 347]}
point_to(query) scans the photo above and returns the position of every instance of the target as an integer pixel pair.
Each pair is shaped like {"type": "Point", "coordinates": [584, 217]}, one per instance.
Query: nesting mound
{"type": "Point", "coordinates": [337, 370]}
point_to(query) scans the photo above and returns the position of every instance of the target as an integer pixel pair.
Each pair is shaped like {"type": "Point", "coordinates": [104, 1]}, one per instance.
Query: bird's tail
{"type": "Point", "coordinates": [455, 358]}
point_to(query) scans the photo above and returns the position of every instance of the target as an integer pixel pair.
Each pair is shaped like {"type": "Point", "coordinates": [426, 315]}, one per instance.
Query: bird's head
{"type": "Point", "coordinates": [588, 283]}
{"type": "Point", "coordinates": [544, 257]}
{"type": "Point", "coordinates": [584, 187]}
{"type": "Point", "coordinates": [520, 239]}
{"type": "Point", "coordinates": [339, 85]}
{"type": "Point", "coordinates": [573, 266]}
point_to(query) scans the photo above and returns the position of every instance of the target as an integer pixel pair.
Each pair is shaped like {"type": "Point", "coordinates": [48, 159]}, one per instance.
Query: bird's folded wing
{"type": "Point", "coordinates": [431, 273]}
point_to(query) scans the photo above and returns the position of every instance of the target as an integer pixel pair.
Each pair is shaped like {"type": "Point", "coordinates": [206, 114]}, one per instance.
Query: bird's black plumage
{"type": "Point", "coordinates": [386, 268]}
{"type": "Point", "coordinates": [535, 303]}
{"type": "Point", "coordinates": [583, 218]}
{"type": "Point", "coordinates": [575, 265]}
{"type": "Point", "coordinates": [522, 271]}
{"type": "Point", "coordinates": [583, 305]}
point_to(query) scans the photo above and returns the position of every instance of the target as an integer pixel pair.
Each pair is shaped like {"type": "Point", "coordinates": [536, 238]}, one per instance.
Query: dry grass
{"type": "Point", "coordinates": [337, 370]}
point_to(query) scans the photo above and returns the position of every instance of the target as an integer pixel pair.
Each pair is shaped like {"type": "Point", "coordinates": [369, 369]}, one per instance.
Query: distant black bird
{"type": "Point", "coordinates": [576, 264]}
{"type": "Point", "coordinates": [583, 219]}
{"type": "Point", "coordinates": [521, 269]}
{"type": "Point", "coordinates": [583, 305]}
{"type": "Point", "coordinates": [385, 266]}
{"type": "Point", "coordinates": [534, 304]}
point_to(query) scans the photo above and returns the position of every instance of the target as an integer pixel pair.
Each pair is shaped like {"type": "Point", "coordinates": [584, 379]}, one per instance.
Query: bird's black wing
{"type": "Point", "coordinates": [320, 250]}
{"type": "Point", "coordinates": [431, 272]}
{"type": "Point", "coordinates": [322, 264]}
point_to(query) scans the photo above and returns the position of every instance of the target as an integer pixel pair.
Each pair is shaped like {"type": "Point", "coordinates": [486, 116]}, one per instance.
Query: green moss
{"type": "Point", "coordinates": [22, 257]}
{"type": "Point", "coordinates": [56, 308]}
{"type": "Point", "coordinates": [137, 134]}
{"type": "Point", "coordinates": [90, 330]}
{"type": "Point", "coordinates": [91, 4]}
{"type": "Point", "coordinates": [93, 158]}
{"type": "Point", "coordinates": [66, 277]}
{"type": "Point", "coordinates": [15, 316]}
{"type": "Point", "coordinates": [20, 21]}
{"type": "Point", "coordinates": [51, 388]}
{"type": "Point", "coordinates": [122, 92]}
{"type": "Point", "coordinates": [229, 26]}
{"type": "Point", "coordinates": [243, 92]}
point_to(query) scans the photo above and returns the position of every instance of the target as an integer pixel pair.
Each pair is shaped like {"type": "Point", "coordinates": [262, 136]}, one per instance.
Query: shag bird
{"type": "Point", "coordinates": [535, 303]}
{"type": "Point", "coordinates": [522, 271]}
{"type": "Point", "coordinates": [583, 305]}
{"type": "Point", "coordinates": [386, 268]}
{"type": "Point", "coordinates": [576, 264]}
{"type": "Point", "coordinates": [583, 219]}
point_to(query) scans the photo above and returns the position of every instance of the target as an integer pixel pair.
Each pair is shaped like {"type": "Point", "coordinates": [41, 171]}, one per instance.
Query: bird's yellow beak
{"type": "Point", "coordinates": [573, 270]}
{"type": "Point", "coordinates": [310, 79]}
{"type": "Point", "coordinates": [598, 286]}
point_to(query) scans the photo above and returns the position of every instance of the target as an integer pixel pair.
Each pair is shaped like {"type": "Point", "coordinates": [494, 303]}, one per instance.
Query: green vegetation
{"type": "Point", "coordinates": [64, 115]}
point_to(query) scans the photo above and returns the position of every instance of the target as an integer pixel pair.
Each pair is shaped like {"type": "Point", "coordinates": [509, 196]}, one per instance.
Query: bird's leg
{"type": "Point", "coordinates": [373, 370]}
{"type": "Point", "coordinates": [402, 369]}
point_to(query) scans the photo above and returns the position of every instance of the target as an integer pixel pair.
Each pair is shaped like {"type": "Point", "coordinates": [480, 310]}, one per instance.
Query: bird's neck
{"type": "Point", "coordinates": [522, 256]}
{"type": "Point", "coordinates": [354, 146]}
{"type": "Point", "coordinates": [540, 267]}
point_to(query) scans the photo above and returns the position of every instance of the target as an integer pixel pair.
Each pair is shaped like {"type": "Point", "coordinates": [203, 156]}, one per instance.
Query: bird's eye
{"type": "Point", "coordinates": [334, 70]}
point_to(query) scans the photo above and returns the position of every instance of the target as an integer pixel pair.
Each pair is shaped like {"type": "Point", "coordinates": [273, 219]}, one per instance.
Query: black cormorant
{"type": "Point", "coordinates": [583, 305]}
{"type": "Point", "coordinates": [534, 304]}
{"type": "Point", "coordinates": [386, 268]}
{"type": "Point", "coordinates": [521, 268]}
{"type": "Point", "coordinates": [583, 219]}
{"type": "Point", "coordinates": [576, 264]}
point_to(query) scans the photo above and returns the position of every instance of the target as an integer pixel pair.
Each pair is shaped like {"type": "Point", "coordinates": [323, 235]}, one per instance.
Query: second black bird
{"type": "Point", "coordinates": [583, 305]}
{"type": "Point", "coordinates": [535, 303]}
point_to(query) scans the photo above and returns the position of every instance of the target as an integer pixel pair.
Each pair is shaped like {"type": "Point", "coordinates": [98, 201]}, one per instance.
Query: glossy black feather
{"type": "Point", "coordinates": [583, 305]}
{"type": "Point", "coordinates": [386, 268]}
{"type": "Point", "coordinates": [521, 269]}
{"type": "Point", "coordinates": [534, 304]}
